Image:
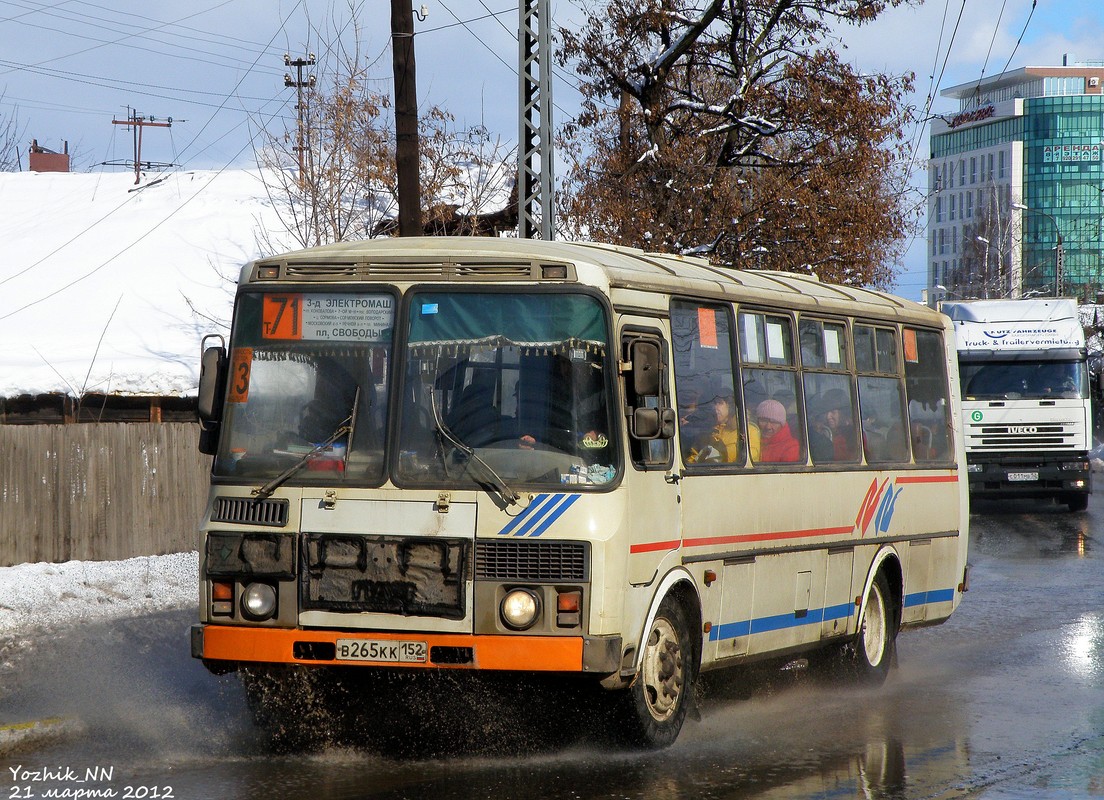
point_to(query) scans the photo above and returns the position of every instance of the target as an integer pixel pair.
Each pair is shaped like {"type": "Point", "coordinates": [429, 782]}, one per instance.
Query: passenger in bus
{"type": "Point", "coordinates": [777, 441]}
{"type": "Point", "coordinates": [831, 432]}
{"type": "Point", "coordinates": [722, 443]}
{"type": "Point", "coordinates": [694, 420]}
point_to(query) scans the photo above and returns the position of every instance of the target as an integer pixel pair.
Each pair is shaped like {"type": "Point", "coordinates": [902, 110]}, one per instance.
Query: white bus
{"type": "Point", "coordinates": [567, 458]}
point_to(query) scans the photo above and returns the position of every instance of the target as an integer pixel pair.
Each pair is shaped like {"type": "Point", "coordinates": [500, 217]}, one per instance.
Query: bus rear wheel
{"type": "Point", "coordinates": [870, 655]}
{"type": "Point", "coordinates": [662, 693]}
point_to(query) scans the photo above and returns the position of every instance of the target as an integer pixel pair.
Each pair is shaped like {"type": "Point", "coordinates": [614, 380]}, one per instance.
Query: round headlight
{"type": "Point", "coordinates": [258, 601]}
{"type": "Point", "coordinates": [520, 608]}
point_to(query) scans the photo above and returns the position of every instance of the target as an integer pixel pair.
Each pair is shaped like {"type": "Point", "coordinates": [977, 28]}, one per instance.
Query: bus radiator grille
{"type": "Point", "coordinates": [531, 561]}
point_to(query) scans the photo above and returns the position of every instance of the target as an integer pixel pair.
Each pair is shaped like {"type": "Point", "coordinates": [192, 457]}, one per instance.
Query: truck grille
{"type": "Point", "coordinates": [531, 561]}
{"type": "Point", "coordinates": [246, 511]}
{"type": "Point", "coordinates": [980, 437]}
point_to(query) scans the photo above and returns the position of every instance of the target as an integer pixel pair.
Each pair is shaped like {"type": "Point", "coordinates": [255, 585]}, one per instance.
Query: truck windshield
{"type": "Point", "coordinates": [307, 369]}
{"type": "Point", "coordinates": [1027, 380]}
{"type": "Point", "coordinates": [506, 389]}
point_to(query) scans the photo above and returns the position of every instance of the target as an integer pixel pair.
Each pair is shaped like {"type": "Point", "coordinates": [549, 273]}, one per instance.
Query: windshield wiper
{"type": "Point", "coordinates": [345, 427]}
{"type": "Point", "coordinates": [508, 495]}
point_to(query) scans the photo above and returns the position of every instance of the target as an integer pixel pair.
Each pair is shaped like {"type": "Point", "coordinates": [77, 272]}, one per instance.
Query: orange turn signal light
{"type": "Point", "coordinates": [222, 591]}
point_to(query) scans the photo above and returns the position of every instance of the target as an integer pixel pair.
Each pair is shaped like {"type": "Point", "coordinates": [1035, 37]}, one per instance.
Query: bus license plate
{"type": "Point", "coordinates": [1023, 476]}
{"type": "Point", "coordinates": [386, 650]}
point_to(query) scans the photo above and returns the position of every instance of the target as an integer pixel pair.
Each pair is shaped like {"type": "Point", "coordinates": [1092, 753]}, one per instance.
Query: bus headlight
{"type": "Point", "coordinates": [520, 608]}
{"type": "Point", "coordinates": [258, 601]}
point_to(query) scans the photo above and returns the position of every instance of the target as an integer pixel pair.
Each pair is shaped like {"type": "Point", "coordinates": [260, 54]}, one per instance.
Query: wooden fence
{"type": "Point", "coordinates": [99, 492]}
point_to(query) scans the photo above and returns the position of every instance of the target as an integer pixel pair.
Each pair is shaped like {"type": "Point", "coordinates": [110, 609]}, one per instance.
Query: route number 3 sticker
{"type": "Point", "coordinates": [241, 363]}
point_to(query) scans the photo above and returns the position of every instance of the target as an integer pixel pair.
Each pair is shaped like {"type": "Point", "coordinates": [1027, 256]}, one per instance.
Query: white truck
{"type": "Point", "coordinates": [1025, 398]}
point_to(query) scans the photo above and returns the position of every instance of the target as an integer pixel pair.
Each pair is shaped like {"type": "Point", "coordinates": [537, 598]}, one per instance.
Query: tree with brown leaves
{"type": "Point", "coordinates": [730, 129]}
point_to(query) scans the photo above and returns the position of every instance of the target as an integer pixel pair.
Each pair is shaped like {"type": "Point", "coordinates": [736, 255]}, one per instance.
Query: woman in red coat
{"type": "Point", "coordinates": [777, 443]}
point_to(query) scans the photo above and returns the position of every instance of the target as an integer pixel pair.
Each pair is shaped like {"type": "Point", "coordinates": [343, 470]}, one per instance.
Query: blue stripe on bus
{"type": "Point", "coordinates": [814, 616]}
{"type": "Point", "coordinates": [541, 513]}
{"type": "Point", "coordinates": [565, 503]}
{"type": "Point", "coordinates": [533, 505]}
{"type": "Point", "coordinates": [921, 598]}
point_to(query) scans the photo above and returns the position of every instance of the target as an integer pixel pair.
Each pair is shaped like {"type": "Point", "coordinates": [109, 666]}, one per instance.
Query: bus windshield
{"type": "Point", "coordinates": [506, 388]}
{"type": "Point", "coordinates": [1027, 380]}
{"type": "Point", "coordinates": [308, 387]}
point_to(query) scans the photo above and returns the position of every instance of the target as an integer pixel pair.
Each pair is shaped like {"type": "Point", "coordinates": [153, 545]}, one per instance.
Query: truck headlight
{"type": "Point", "coordinates": [1075, 466]}
{"type": "Point", "coordinates": [258, 601]}
{"type": "Point", "coordinates": [520, 608]}
{"type": "Point", "coordinates": [975, 468]}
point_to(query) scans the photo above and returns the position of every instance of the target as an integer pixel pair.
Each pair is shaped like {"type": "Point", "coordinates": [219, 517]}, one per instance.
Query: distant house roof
{"type": "Point", "coordinates": [107, 288]}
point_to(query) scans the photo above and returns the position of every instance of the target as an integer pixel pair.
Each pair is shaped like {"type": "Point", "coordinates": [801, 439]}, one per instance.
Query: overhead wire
{"type": "Point", "coordinates": [127, 200]}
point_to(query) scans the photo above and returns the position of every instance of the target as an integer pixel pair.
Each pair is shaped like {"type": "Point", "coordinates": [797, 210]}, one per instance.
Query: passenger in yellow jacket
{"type": "Point", "coordinates": [722, 443]}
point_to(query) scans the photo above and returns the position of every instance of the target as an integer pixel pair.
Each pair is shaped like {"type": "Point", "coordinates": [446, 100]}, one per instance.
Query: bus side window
{"type": "Point", "coordinates": [881, 405]}
{"type": "Point", "coordinates": [928, 395]}
{"type": "Point", "coordinates": [709, 418]}
{"type": "Point", "coordinates": [769, 370]}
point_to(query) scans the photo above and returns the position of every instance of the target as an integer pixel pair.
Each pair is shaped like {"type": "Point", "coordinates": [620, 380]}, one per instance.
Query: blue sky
{"type": "Point", "coordinates": [216, 67]}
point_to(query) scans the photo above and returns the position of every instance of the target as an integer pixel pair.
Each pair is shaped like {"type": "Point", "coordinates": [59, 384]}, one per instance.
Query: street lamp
{"type": "Point", "coordinates": [1059, 252]}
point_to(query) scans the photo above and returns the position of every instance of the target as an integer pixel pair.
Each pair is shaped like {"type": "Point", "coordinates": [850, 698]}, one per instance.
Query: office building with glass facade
{"type": "Point", "coordinates": [1015, 186]}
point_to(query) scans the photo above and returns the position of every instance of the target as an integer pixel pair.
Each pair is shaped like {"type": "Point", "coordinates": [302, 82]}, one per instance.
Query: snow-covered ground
{"type": "Point", "coordinates": [109, 287]}
{"type": "Point", "coordinates": [36, 598]}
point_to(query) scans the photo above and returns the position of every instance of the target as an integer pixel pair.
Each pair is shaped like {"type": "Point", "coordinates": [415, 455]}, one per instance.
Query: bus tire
{"type": "Point", "coordinates": [870, 654]}
{"type": "Point", "coordinates": [663, 690]}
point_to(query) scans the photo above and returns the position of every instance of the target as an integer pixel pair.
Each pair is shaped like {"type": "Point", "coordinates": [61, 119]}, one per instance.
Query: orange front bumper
{"type": "Point", "coordinates": [282, 646]}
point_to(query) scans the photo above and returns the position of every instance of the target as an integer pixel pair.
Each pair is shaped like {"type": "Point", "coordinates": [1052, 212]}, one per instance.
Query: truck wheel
{"type": "Point", "coordinates": [661, 694]}
{"type": "Point", "coordinates": [1077, 502]}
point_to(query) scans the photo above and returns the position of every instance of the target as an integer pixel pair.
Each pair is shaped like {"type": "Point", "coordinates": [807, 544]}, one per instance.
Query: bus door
{"type": "Point", "coordinates": [652, 514]}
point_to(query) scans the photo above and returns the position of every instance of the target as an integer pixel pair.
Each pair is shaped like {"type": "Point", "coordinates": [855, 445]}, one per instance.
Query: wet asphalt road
{"type": "Point", "coordinates": [1003, 701]}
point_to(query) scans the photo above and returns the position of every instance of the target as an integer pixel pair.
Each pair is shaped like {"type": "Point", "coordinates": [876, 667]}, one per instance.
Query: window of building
{"type": "Point", "coordinates": [1000, 164]}
{"type": "Point", "coordinates": [951, 208]}
{"type": "Point", "coordinates": [973, 169]}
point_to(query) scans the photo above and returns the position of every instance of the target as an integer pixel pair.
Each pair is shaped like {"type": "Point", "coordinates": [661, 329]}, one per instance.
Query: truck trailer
{"type": "Point", "coordinates": [1025, 398]}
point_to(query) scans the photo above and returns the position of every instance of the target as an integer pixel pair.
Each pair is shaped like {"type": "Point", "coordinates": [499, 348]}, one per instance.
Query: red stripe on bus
{"type": "Point", "coordinates": [651, 547]}
{"type": "Point", "coordinates": [928, 479]}
{"type": "Point", "coordinates": [768, 537]}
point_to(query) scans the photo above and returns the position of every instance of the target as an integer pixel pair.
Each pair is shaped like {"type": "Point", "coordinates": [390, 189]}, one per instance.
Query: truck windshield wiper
{"type": "Point", "coordinates": [508, 495]}
{"type": "Point", "coordinates": [345, 427]}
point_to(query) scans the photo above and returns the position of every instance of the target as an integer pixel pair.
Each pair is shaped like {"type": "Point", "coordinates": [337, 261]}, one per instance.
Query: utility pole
{"type": "Point", "coordinates": [300, 107]}
{"type": "Point", "coordinates": [406, 119]}
{"type": "Point", "coordinates": [535, 136]}
{"type": "Point", "coordinates": [137, 123]}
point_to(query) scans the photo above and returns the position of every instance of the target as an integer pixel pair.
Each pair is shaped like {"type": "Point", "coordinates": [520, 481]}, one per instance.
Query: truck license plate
{"type": "Point", "coordinates": [386, 650]}
{"type": "Point", "coordinates": [1023, 476]}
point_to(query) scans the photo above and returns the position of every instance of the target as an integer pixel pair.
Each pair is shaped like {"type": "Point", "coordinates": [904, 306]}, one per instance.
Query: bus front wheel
{"type": "Point", "coordinates": [660, 696]}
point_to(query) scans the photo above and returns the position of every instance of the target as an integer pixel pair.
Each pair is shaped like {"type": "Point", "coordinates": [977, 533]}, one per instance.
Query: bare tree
{"type": "Point", "coordinates": [347, 187]}
{"type": "Point", "coordinates": [11, 138]}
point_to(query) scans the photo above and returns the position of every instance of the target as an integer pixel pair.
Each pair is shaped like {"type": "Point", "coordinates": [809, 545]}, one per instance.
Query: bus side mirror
{"type": "Point", "coordinates": [212, 381]}
{"type": "Point", "coordinates": [646, 368]}
{"type": "Point", "coordinates": [653, 423]}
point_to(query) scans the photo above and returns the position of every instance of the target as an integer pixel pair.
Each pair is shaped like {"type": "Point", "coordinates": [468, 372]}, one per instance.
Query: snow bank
{"type": "Point", "coordinates": [41, 597]}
